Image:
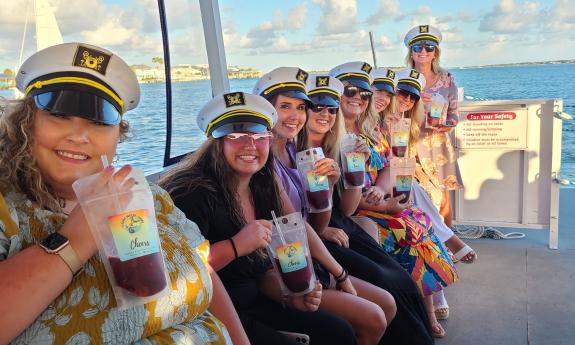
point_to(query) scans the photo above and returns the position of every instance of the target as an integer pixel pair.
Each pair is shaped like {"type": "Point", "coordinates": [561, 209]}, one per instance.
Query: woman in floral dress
{"type": "Point", "coordinates": [71, 115]}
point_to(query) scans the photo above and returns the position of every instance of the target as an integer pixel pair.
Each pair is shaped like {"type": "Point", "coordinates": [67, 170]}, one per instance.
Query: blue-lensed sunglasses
{"type": "Point", "coordinates": [418, 47]}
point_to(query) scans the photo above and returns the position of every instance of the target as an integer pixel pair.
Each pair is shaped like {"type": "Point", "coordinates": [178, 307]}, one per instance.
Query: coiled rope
{"type": "Point", "coordinates": [479, 231]}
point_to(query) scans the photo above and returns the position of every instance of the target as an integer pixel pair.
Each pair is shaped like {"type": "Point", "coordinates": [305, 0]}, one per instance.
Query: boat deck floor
{"type": "Point", "coordinates": [518, 291]}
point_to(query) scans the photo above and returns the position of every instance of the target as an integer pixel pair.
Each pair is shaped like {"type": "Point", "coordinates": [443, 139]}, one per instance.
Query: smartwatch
{"type": "Point", "coordinates": [58, 244]}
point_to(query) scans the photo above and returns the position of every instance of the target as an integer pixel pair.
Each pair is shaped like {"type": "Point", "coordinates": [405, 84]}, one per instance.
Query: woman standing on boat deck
{"type": "Point", "coordinates": [53, 287]}
{"type": "Point", "coordinates": [405, 232]}
{"type": "Point", "coordinates": [439, 171]}
{"type": "Point", "coordinates": [364, 258]}
{"type": "Point", "coordinates": [285, 88]}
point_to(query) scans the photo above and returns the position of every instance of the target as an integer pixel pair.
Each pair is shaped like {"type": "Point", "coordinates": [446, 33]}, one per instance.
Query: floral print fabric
{"type": "Point", "coordinates": [435, 151]}
{"type": "Point", "coordinates": [86, 313]}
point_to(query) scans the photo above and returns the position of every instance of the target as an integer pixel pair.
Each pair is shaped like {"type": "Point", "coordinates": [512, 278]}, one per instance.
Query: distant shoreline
{"type": "Point", "coordinates": [555, 62]}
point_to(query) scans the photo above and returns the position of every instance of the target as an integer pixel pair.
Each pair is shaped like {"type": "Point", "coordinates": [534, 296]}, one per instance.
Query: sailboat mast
{"type": "Point", "coordinates": [372, 49]}
{"type": "Point", "coordinates": [23, 36]}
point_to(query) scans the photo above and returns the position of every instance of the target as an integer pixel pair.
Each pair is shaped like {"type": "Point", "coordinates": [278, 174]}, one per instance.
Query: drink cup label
{"type": "Point", "coordinates": [355, 161]}
{"type": "Point", "coordinates": [400, 138]}
{"type": "Point", "coordinates": [403, 183]}
{"type": "Point", "coordinates": [436, 110]}
{"type": "Point", "coordinates": [291, 257]}
{"type": "Point", "coordinates": [317, 182]}
{"type": "Point", "coordinates": [134, 234]}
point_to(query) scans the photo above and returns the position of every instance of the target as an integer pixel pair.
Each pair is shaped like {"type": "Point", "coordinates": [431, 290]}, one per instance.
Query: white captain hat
{"type": "Point", "coordinates": [81, 80]}
{"type": "Point", "coordinates": [324, 90]}
{"type": "Point", "coordinates": [288, 81]}
{"type": "Point", "coordinates": [355, 72]}
{"type": "Point", "coordinates": [422, 33]}
{"type": "Point", "coordinates": [236, 112]}
{"type": "Point", "coordinates": [384, 79]}
{"type": "Point", "coordinates": [410, 80]}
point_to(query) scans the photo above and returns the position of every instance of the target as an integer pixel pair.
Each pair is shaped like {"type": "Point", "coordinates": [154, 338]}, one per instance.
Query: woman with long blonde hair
{"type": "Point", "coordinates": [439, 171]}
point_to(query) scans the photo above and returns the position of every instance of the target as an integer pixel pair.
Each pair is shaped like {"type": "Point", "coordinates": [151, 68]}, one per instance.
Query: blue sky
{"type": "Point", "coordinates": [312, 34]}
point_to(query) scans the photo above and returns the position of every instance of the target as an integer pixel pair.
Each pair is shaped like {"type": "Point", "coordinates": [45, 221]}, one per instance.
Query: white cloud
{"type": "Point", "coordinates": [337, 16]}
{"type": "Point", "coordinates": [508, 17]}
{"type": "Point", "coordinates": [111, 33]}
{"type": "Point", "coordinates": [386, 10]}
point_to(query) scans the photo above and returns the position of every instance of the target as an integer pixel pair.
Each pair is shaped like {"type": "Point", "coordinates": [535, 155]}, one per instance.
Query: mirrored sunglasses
{"type": "Point", "coordinates": [320, 108]}
{"type": "Point", "coordinates": [351, 91]}
{"type": "Point", "coordinates": [242, 139]}
{"type": "Point", "coordinates": [418, 47]}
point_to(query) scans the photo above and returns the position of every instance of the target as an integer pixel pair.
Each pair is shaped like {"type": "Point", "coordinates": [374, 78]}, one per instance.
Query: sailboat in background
{"type": "Point", "coordinates": [47, 31]}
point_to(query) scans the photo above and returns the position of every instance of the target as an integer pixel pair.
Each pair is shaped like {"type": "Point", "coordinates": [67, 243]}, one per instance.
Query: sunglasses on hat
{"type": "Point", "coordinates": [418, 47]}
{"type": "Point", "coordinates": [320, 108]}
{"type": "Point", "coordinates": [351, 91]}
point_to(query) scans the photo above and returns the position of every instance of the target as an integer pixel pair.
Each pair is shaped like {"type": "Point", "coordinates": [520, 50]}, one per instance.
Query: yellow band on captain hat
{"type": "Point", "coordinates": [313, 92]}
{"type": "Point", "coordinates": [282, 85]}
{"type": "Point", "coordinates": [351, 74]}
{"type": "Point", "coordinates": [235, 113]}
{"type": "Point", "coordinates": [382, 80]}
{"type": "Point", "coordinates": [409, 81]}
{"type": "Point", "coordinates": [77, 80]}
{"type": "Point", "coordinates": [421, 37]}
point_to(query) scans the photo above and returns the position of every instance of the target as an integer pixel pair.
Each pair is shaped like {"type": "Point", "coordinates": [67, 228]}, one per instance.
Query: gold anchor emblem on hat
{"type": "Point", "coordinates": [302, 76]}
{"type": "Point", "coordinates": [390, 74]}
{"type": "Point", "coordinates": [92, 62]}
{"type": "Point", "coordinates": [414, 74]}
{"type": "Point", "coordinates": [366, 67]}
{"type": "Point", "coordinates": [92, 59]}
{"type": "Point", "coordinates": [236, 98]}
{"type": "Point", "coordinates": [424, 29]}
{"type": "Point", "coordinates": [322, 81]}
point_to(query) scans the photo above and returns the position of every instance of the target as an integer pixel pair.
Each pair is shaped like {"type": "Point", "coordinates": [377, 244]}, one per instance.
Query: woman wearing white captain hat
{"type": "Point", "coordinates": [435, 151]}
{"type": "Point", "coordinates": [76, 97]}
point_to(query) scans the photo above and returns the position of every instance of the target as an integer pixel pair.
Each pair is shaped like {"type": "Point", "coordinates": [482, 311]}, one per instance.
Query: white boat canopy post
{"type": "Point", "coordinates": [215, 46]}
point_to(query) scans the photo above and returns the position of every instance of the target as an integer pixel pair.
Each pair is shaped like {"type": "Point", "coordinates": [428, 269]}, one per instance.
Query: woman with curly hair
{"type": "Point", "coordinates": [71, 115]}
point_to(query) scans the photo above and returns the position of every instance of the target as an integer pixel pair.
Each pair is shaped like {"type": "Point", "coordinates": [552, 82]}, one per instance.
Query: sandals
{"type": "Point", "coordinates": [463, 252]}
{"type": "Point", "coordinates": [437, 330]}
{"type": "Point", "coordinates": [442, 313]}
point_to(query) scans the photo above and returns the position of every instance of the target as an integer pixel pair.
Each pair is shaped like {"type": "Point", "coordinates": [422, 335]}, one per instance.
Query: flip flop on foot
{"type": "Point", "coordinates": [437, 330]}
{"type": "Point", "coordinates": [466, 255]}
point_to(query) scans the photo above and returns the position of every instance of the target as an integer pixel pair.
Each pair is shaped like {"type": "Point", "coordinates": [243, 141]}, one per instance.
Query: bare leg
{"type": "Point", "coordinates": [445, 209]}
{"type": "Point", "coordinates": [367, 312]}
{"type": "Point", "coordinates": [436, 328]}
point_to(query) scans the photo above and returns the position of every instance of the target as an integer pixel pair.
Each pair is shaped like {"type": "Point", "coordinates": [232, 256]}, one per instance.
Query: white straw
{"type": "Point", "coordinates": [104, 160]}
{"type": "Point", "coordinates": [278, 227]}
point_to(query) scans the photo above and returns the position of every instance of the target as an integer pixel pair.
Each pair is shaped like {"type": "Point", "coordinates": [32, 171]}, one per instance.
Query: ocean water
{"type": "Point", "coordinates": [145, 147]}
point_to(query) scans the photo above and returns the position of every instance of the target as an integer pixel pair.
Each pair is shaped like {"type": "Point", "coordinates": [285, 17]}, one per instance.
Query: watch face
{"type": "Point", "coordinates": [54, 241]}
